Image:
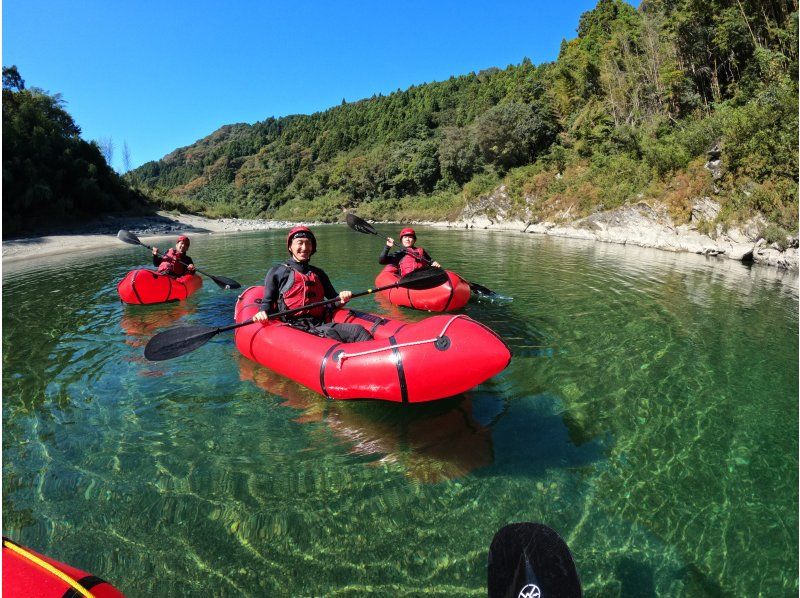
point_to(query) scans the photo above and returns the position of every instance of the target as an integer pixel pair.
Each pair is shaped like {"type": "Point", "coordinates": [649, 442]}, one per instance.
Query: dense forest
{"type": "Point", "coordinates": [628, 111]}
{"type": "Point", "coordinates": [50, 175]}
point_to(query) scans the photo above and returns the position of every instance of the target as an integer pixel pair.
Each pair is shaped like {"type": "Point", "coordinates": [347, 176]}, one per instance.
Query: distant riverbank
{"type": "Point", "coordinates": [644, 224]}
{"type": "Point", "coordinates": [103, 233]}
{"type": "Point", "coordinates": [639, 225]}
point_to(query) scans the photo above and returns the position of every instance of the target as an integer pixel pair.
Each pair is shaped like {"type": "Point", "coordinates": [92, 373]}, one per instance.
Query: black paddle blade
{"type": "Point", "coordinates": [177, 341]}
{"type": "Point", "coordinates": [424, 278]}
{"type": "Point", "coordinates": [224, 282]}
{"type": "Point", "coordinates": [531, 559]}
{"type": "Point", "coordinates": [481, 290]}
{"type": "Point", "coordinates": [128, 237]}
{"type": "Point", "coordinates": [362, 226]}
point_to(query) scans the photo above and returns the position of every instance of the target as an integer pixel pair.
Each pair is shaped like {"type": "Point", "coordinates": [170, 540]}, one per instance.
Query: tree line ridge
{"type": "Point", "coordinates": [629, 110]}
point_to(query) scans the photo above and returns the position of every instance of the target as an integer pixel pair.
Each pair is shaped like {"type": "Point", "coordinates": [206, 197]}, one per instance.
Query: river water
{"type": "Point", "coordinates": [649, 415]}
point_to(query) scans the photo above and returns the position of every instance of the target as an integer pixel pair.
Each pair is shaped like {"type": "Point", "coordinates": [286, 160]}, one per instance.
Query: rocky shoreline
{"type": "Point", "coordinates": [640, 224]}
{"type": "Point", "coordinates": [644, 225]}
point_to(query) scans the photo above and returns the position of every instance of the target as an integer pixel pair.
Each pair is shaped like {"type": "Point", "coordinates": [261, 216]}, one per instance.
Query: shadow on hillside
{"type": "Point", "coordinates": [139, 223]}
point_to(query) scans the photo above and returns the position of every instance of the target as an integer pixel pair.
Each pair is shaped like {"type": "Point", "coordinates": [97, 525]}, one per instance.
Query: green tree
{"type": "Point", "coordinates": [12, 79]}
{"type": "Point", "coordinates": [458, 154]}
{"type": "Point", "coordinates": [50, 174]}
{"type": "Point", "coordinates": [513, 134]}
{"type": "Point", "coordinates": [632, 102]}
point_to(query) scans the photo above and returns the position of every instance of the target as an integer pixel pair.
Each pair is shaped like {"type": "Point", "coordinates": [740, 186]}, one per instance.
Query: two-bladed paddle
{"type": "Point", "coordinates": [222, 282]}
{"type": "Point", "coordinates": [362, 226]}
{"type": "Point", "coordinates": [180, 340]}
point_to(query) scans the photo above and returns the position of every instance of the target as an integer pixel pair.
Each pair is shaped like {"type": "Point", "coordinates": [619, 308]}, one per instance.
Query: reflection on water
{"type": "Point", "coordinates": [430, 443]}
{"type": "Point", "coordinates": [649, 414]}
{"type": "Point", "coordinates": [142, 322]}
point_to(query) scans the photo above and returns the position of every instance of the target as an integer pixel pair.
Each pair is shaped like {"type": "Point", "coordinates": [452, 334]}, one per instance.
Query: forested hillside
{"type": "Point", "coordinates": [51, 175]}
{"type": "Point", "coordinates": [628, 111]}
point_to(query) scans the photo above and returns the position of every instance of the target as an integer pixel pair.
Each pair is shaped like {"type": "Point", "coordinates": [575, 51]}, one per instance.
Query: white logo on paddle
{"type": "Point", "coordinates": [530, 591]}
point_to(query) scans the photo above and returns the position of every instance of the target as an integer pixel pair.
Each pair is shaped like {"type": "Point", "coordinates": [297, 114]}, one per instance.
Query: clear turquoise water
{"type": "Point", "coordinates": [649, 415]}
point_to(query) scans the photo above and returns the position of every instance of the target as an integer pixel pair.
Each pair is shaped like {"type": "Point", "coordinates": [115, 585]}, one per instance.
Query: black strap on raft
{"type": "Point", "coordinates": [377, 321]}
{"type": "Point", "coordinates": [133, 286]}
{"type": "Point", "coordinates": [401, 373]}
{"type": "Point", "coordinates": [322, 367]}
{"type": "Point", "coordinates": [87, 582]}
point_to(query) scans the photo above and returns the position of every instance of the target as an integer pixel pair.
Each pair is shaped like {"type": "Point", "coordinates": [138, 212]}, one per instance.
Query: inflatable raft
{"type": "Point", "coordinates": [452, 294]}
{"type": "Point", "coordinates": [145, 287]}
{"type": "Point", "coordinates": [435, 358]}
{"type": "Point", "coordinates": [27, 573]}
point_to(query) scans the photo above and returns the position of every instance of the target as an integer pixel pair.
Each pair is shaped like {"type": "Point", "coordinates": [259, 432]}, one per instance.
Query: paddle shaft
{"type": "Point", "coordinates": [181, 340]}
{"type": "Point", "coordinates": [287, 312]}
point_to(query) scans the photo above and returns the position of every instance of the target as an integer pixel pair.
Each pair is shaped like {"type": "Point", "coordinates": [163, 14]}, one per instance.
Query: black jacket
{"type": "Point", "coordinates": [395, 258]}
{"type": "Point", "coordinates": [277, 277]}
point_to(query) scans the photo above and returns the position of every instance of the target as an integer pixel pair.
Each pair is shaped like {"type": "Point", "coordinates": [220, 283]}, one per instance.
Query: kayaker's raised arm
{"type": "Point", "coordinates": [384, 258]}
{"type": "Point", "coordinates": [175, 262]}
{"type": "Point", "coordinates": [412, 257]}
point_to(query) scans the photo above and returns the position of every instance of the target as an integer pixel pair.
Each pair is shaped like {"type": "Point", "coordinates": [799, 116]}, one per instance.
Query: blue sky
{"type": "Point", "coordinates": [160, 75]}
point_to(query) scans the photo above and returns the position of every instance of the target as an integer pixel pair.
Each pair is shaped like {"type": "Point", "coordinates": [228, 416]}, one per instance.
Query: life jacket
{"type": "Point", "coordinates": [171, 265]}
{"type": "Point", "coordinates": [412, 260]}
{"type": "Point", "coordinates": [302, 289]}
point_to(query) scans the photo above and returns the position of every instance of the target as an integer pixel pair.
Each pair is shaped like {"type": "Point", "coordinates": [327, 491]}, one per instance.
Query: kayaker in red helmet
{"type": "Point", "coordinates": [171, 262]}
{"type": "Point", "coordinates": [410, 257]}
{"type": "Point", "coordinates": [296, 283]}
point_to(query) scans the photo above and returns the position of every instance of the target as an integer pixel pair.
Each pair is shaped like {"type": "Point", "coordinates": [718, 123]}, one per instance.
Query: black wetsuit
{"type": "Point", "coordinates": [395, 258]}
{"type": "Point", "coordinates": [278, 276]}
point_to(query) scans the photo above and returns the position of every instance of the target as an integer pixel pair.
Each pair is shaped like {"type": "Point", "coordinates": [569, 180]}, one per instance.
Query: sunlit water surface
{"type": "Point", "coordinates": [649, 415]}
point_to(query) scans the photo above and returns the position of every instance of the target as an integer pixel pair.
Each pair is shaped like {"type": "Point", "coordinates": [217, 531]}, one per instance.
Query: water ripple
{"type": "Point", "coordinates": [649, 414]}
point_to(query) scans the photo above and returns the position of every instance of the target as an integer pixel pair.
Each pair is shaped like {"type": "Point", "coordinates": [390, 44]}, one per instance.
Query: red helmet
{"type": "Point", "coordinates": [302, 232]}
{"type": "Point", "coordinates": [183, 238]}
{"type": "Point", "coordinates": [408, 232]}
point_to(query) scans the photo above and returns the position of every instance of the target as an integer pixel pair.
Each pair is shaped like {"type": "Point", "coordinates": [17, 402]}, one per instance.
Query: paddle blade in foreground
{"type": "Point", "coordinates": [177, 341]}
{"type": "Point", "coordinates": [128, 237]}
{"type": "Point", "coordinates": [224, 282]}
{"type": "Point", "coordinates": [531, 559]}
{"type": "Point", "coordinates": [359, 225]}
{"type": "Point", "coordinates": [424, 278]}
